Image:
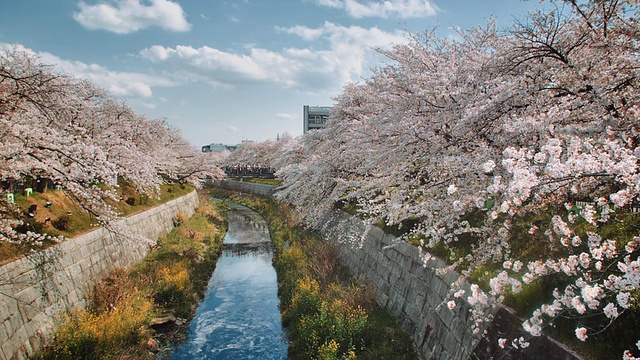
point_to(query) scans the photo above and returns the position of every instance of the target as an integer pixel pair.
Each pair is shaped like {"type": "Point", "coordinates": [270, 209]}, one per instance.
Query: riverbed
{"type": "Point", "coordinates": [239, 316]}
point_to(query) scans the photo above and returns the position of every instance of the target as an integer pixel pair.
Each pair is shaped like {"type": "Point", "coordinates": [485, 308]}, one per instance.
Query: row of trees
{"type": "Point", "coordinates": [68, 131]}
{"type": "Point", "coordinates": [468, 139]}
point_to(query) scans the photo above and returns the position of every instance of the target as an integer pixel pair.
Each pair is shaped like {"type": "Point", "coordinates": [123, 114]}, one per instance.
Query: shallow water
{"type": "Point", "coordinates": [239, 317]}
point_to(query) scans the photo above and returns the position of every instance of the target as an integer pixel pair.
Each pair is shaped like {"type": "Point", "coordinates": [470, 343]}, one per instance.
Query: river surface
{"type": "Point", "coordinates": [239, 316]}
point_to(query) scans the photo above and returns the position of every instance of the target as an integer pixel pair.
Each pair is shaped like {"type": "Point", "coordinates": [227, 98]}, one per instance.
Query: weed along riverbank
{"type": "Point", "coordinates": [144, 312]}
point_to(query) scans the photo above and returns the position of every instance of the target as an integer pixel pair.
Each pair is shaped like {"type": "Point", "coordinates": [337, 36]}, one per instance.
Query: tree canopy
{"type": "Point", "coordinates": [68, 131]}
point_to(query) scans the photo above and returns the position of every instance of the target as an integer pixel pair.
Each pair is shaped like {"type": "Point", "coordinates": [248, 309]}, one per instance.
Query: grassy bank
{"type": "Point", "coordinates": [134, 314]}
{"type": "Point", "coordinates": [57, 214]}
{"type": "Point", "coordinates": [274, 182]}
{"type": "Point", "coordinates": [327, 313]}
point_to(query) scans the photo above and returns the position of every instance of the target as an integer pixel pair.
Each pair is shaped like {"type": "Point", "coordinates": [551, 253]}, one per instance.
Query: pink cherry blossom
{"type": "Point", "coordinates": [581, 334]}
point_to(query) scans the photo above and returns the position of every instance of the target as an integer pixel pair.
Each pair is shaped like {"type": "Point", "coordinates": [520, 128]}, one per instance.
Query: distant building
{"type": "Point", "coordinates": [222, 147]}
{"type": "Point", "coordinates": [218, 148]}
{"type": "Point", "coordinates": [314, 117]}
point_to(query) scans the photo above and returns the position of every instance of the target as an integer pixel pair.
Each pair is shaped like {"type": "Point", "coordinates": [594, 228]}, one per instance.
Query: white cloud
{"type": "Point", "coordinates": [146, 104]}
{"type": "Point", "coordinates": [385, 9]}
{"type": "Point", "coordinates": [234, 129]}
{"type": "Point", "coordinates": [306, 33]}
{"type": "Point", "coordinates": [117, 83]}
{"type": "Point", "coordinates": [347, 54]}
{"type": "Point", "coordinates": [127, 16]}
{"type": "Point", "coordinates": [212, 64]}
{"type": "Point", "coordinates": [286, 116]}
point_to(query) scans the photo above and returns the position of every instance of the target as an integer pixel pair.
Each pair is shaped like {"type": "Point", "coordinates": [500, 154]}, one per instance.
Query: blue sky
{"type": "Point", "coordinates": [230, 70]}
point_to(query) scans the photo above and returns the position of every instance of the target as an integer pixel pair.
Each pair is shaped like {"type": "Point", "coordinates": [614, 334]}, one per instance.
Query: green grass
{"type": "Point", "coordinates": [67, 218]}
{"type": "Point", "coordinates": [274, 182]}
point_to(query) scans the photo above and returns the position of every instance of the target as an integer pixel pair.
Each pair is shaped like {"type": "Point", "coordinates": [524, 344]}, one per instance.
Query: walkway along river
{"type": "Point", "coordinates": [239, 317]}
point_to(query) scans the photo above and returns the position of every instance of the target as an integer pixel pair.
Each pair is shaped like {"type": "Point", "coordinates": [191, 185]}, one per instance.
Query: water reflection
{"type": "Point", "coordinates": [245, 226]}
{"type": "Point", "coordinates": [239, 317]}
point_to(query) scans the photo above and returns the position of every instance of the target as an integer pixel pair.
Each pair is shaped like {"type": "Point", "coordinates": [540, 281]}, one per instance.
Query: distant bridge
{"type": "Point", "coordinates": [258, 171]}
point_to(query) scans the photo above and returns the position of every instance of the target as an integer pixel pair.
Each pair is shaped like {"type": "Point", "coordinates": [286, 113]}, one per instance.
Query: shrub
{"type": "Point", "coordinates": [334, 323]}
{"type": "Point", "coordinates": [173, 289]}
{"type": "Point", "coordinates": [305, 300]}
{"type": "Point", "coordinates": [89, 335]}
{"type": "Point", "coordinates": [211, 212]}
{"type": "Point", "coordinates": [111, 291]}
{"type": "Point", "coordinates": [291, 266]}
{"type": "Point", "coordinates": [325, 264]}
{"type": "Point", "coordinates": [330, 351]}
{"type": "Point", "coordinates": [179, 219]}
{"type": "Point", "coordinates": [321, 328]}
{"type": "Point", "coordinates": [63, 223]}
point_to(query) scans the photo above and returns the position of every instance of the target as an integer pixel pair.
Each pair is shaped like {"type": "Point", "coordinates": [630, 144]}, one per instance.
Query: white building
{"type": "Point", "coordinates": [314, 117]}
{"type": "Point", "coordinates": [218, 148]}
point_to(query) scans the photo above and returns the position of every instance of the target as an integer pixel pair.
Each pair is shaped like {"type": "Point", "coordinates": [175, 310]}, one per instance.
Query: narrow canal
{"type": "Point", "coordinates": [239, 317]}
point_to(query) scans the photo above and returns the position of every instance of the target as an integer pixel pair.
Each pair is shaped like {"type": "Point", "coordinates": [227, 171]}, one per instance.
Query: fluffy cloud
{"type": "Point", "coordinates": [117, 83]}
{"type": "Point", "coordinates": [345, 57]}
{"type": "Point", "coordinates": [127, 16]}
{"type": "Point", "coordinates": [386, 9]}
{"type": "Point", "coordinates": [287, 116]}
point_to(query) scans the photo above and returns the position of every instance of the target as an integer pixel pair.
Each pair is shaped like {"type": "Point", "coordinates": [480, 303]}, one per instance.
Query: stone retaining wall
{"type": "Point", "coordinates": [247, 187]}
{"type": "Point", "coordinates": [414, 294]}
{"type": "Point", "coordinates": [36, 289]}
{"type": "Point", "coordinates": [417, 294]}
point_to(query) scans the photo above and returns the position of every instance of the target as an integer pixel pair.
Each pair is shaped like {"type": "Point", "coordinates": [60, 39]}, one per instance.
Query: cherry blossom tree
{"type": "Point", "coordinates": [466, 139]}
{"type": "Point", "coordinates": [254, 153]}
{"type": "Point", "coordinates": [68, 131]}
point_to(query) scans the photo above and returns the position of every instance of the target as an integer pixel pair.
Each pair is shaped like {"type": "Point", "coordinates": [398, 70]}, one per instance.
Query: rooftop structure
{"type": "Point", "coordinates": [218, 148]}
{"type": "Point", "coordinates": [314, 117]}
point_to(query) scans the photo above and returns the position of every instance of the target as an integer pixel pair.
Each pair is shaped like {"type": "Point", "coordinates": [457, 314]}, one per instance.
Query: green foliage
{"type": "Point", "coordinates": [291, 265]}
{"type": "Point", "coordinates": [172, 289]}
{"type": "Point", "coordinates": [321, 326]}
{"type": "Point", "coordinates": [305, 300]}
{"type": "Point", "coordinates": [333, 323]}
{"type": "Point", "coordinates": [274, 182]}
{"type": "Point", "coordinates": [382, 328]}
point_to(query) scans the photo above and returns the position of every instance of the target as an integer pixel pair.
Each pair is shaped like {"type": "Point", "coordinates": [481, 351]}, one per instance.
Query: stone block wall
{"type": "Point", "coordinates": [416, 295]}
{"type": "Point", "coordinates": [35, 290]}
